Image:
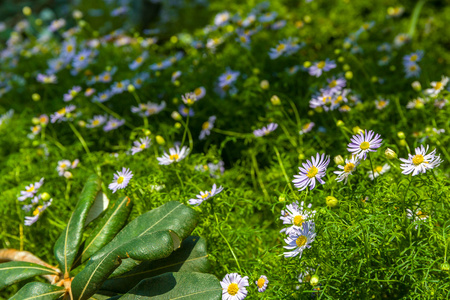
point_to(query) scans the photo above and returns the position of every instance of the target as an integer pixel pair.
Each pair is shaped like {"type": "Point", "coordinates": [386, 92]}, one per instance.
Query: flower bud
{"type": "Point", "coordinates": [147, 132]}
{"type": "Point", "coordinates": [339, 160]}
{"type": "Point", "coordinates": [416, 86]}
{"type": "Point", "coordinates": [68, 175]}
{"type": "Point", "coordinates": [82, 123]}
{"type": "Point", "coordinates": [45, 196]}
{"type": "Point", "coordinates": [357, 130]}
{"type": "Point", "coordinates": [445, 266]}
{"type": "Point", "coordinates": [349, 75]}
{"type": "Point", "coordinates": [390, 154]}
{"type": "Point", "coordinates": [307, 64]}
{"type": "Point", "coordinates": [255, 71]}
{"type": "Point", "coordinates": [340, 123]}
{"type": "Point", "coordinates": [82, 23]}
{"type": "Point", "coordinates": [347, 45]}
{"type": "Point", "coordinates": [26, 10]}
{"type": "Point", "coordinates": [77, 14]}
{"type": "Point", "coordinates": [374, 79]}
{"type": "Point", "coordinates": [301, 156]}
{"type": "Point", "coordinates": [177, 125]}
{"type": "Point", "coordinates": [264, 84]}
{"type": "Point", "coordinates": [307, 19]}
{"type": "Point", "coordinates": [401, 135]}
{"type": "Point", "coordinates": [35, 121]}
{"type": "Point", "coordinates": [38, 22]}
{"type": "Point", "coordinates": [160, 140]}
{"type": "Point", "coordinates": [402, 143]}
{"type": "Point", "coordinates": [131, 88]}
{"type": "Point", "coordinates": [331, 201]}
{"type": "Point", "coordinates": [176, 116]}
{"type": "Point", "coordinates": [282, 198]}
{"type": "Point", "coordinates": [36, 97]}
{"type": "Point", "coordinates": [314, 280]}
{"type": "Point", "coordinates": [275, 100]}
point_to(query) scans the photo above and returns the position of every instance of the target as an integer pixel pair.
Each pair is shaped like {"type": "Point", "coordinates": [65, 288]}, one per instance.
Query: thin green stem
{"type": "Point", "coordinates": [112, 113]}
{"type": "Point", "coordinates": [404, 200]}
{"type": "Point", "coordinates": [373, 170]}
{"type": "Point", "coordinates": [186, 125]}
{"type": "Point", "coordinates": [280, 162]}
{"type": "Point", "coordinates": [179, 177]}
{"type": "Point", "coordinates": [231, 133]}
{"type": "Point", "coordinates": [80, 137]}
{"type": "Point", "coordinates": [226, 241]}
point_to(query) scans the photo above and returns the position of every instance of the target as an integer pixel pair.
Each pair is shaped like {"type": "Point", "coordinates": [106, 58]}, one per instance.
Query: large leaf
{"type": "Point", "coordinates": [155, 245]}
{"type": "Point", "coordinates": [66, 246]}
{"type": "Point", "coordinates": [170, 216]}
{"type": "Point", "coordinates": [100, 204]}
{"type": "Point", "coordinates": [114, 219]}
{"type": "Point", "coordinates": [191, 257]}
{"type": "Point", "coordinates": [38, 291]}
{"type": "Point", "coordinates": [15, 271]}
{"type": "Point", "coordinates": [186, 286]}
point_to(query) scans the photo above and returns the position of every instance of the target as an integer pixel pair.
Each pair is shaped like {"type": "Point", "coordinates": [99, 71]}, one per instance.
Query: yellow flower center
{"type": "Point", "coordinates": [414, 57]}
{"type": "Point", "coordinates": [412, 68]}
{"type": "Point", "coordinates": [119, 85]}
{"type": "Point", "coordinates": [418, 159]}
{"type": "Point", "coordinates": [103, 96]}
{"type": "Point", "coordinates": [242, 38]}
{"type": "Point", "coordinates": [120, 179]}
{"type": "Point", "coordinates": [142, 146]}
{"type": "Point", "coordinates": [421, 215]}
{"type": "Point", "coordinates": [364, 145]}
{"type": "Point", "coordinates": [438, 85]}
{"type": "Point", "coordinates": [69, 48]}
{"type": "Point", "coordinates": [30, 189]}
{"type": "Point", "coordinates": [139, 59]}
{"type": "Point", "coordinates": [205, 167]}
{"type": "Point", "coordinates": [174, 157]}
{"type": "Point", "coordinates": [205, 195]}
{"type": "Point", "coordinates": [301, 241]}
{"type": "Point", "coordinates": [306, 126]}
{"type": "Point", "coordinates": [35, 129]}
{"type": "Point", "coordinates": [62, 111]}
{"type": "Point", "coordinates": [338, 99]}
{"type": "Point", "coordinates": [312, 172]}
{"type": "Point", "coordinates": [260, 282]}
{"type": "Point", "coordinates": [138, 81]}
{"type": "Point", "coordinates": [281, 47]}
{"type": "Point", "coordinates": [37, 211]}
{"type": "Point", "coordinates": [381, 103]}
{"type": "Point", "coordinates": [82, 58]}
{"type": "Point", "coordinates": [233, 289]}
{"type": "Point", "coordinates": [298, 220]}
{"type": "Point", "coordinates": [189, 101]}
{"type": "Point", "coordinates": [106, 77]}
{"type": "Point", "coordinates": [378, 169]}
{"type": "Point", "coordinates": [43, 119]}
{"type": "Point", "coordinates": [349, 167]}
{"type": "Point", "coordinates": [332, 84]}
{"type": "Point", "coordinates": [228, 77]}
{"type": "Point", "coordinates": [321, 64]}
{"type": "Point", "coordinates": [205, 125]}
{"type": "Point", "coordinates": [63, 166]}
{"type": "Point", "coordinates": [73, 93]}
{"type": "Point", "coordinates": [197, 91]}
{"type": "Point", "coordinates": [95, 122]}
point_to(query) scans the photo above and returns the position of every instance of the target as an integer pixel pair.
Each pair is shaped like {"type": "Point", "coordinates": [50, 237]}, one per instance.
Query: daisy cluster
{"type": "Point", "coordinates": [38, 202]}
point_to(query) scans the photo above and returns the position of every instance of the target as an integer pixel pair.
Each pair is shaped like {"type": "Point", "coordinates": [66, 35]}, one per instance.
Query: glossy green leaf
{"type": "Point", "coordinates": [100, 204]}
{"type": "Point", "coordinates": [67, 245]}
{"type": "Point", "coordinates": [15, 271]}
{"type": "Point", "coordinates": [170, 216]}
{"type": "Point", "coordinates": [191, 257]}
{"type": "Point", "coordinates": [109, 225]}
{"type": "Point", "coordinates": [155, 245]}
{"type": "Point", "coordinates": [185, 286]}
{"type": "Point", "coordinates": [38, 291]}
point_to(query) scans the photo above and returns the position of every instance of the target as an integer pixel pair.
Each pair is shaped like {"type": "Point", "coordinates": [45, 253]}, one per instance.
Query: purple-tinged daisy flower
{"type": "Point", "coordinates": [113, 123]}
{"type": "Point", "coordinates": [43, 78]}
{"type": "Point", "coordinates": [62, 114]}
{"type": "Point", "coordinates": [175, 75]}
{"type": "Point", "coordinates": [233, 287]}
{"type": "Point", "coordinates": [37, 213]}
{"type": "Point", "coordinates": [71, 93]}
{"type": "Point", "coordinates": [378, 170]}
{"type": "Point", "coordinates": [96, 121]}
{"type": "Point", "coordinates": [30, 190]}
{"type": "Point", "coordinates": [89, 92]}
{"type": "Point", "coordinates": [307, 128]}
{"type": "Point", "coordinates": [364, 142]}
{"type": "Point", "coordinates": [412, 70]}
{"type": "Point", "coordinates": [311, 171]}
{"type": "Point", "coordinates": [347, 169]}
{"type": "Point", "coordinates": [321, 66]}
{"type": "Point", "coordinates": [420, 162]}
{"type": "Point", "coordinates": [205, 195]}
{"type": "Point", "coordinates": [227, 78]}
{"type": "Point", "coordinates": [414, 57]}
{"type": "Point", "coordinates": [206, 127]}
{"type": "Point", "coordinates": [189, 98]}
{"type": "Point", "coordinates": [102, 97]}
{"type": "Point", "coordinates": [295, 215]}
{"type": "Point", "coordinates": [185, 111]}
{"type": "Point", "coordinates": [138, 61]}
{"type": "Point", "coordinates": [200, 92]}
{"type": "Point", "coordinates": [336, 85]}
{"type": "Point", "coordinates": [221, 18]}
{"type": "Point", "coordinates": [262, 283]}
{"type": "Point", "coordinates": [437, 87]}
{"type": "Point", "coordinates": [119, 87]}
{"type": "Point", "coordinates": [57, 24]}
{"type": "Point", "coordinates": [121, 180]}
{"type": "Point", "coordinates": [300, 240]}
{"type": "Point", "coordinates": [140, 145]}
{"type": "Point", "coordinates": [265, 130]}
{"type": "Point", "coordinates": [64, 165]}
{"type": "Point", "coordinates": [175, 155]}
{"type": "Point", "coordinates": [381, 103]}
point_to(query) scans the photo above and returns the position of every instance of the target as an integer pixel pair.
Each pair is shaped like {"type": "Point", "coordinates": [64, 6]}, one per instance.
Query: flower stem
{"type": "Point", "coordinates": [229, 246]}
{"type": "Point", "coordinates": [373, 170]}
{"type": "Point", "coordinates": [80, 137]}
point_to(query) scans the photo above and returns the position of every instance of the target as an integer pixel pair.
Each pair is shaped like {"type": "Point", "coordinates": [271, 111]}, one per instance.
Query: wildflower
{"type": "Point", "coordinates": [185, 111]}
{"type": "Point", "coordinates": [140, 145]}
{"type": "Point", "coordinates": [296, 215]}
{"type": "Point", "coordinates": [189, 98]}
{"type": "Point", "coordinates": [312, 170]}
{"type": "Point", "coordinates": [300, 240]}
{"type": "Point", "coordinates": [46, 78]}
{"type": "Point", "coordinates": [437, 87]}
{"type": "Point", "coordinates": [226, 79]}
{"type": "Point", "coordinates": [206, 127]}
{"type": "Point", "coordinates": [35, 130]}
{"type": "Point", "coordinates": [417, 215]}
{"type": "Point", "coordinates": [321, 66]}
{"type": "Point", "coordinates": [401, 39]}
{"type": "Point", "coordinates": [37, 213]}
{"type": "Point", "coordinates": [420, 162]}
{"type": "Point", "coordinates": [221, 18]}
{"type": "Point", "coordinates": [307, 128]}
{"type": "Point", "coordinates": [414, 57]}
{"type": "Point", "coordinates": [102, 97]}
{"type": "Point", "coordinates": [148, 109]}
{"type": "Point", "coordinates": [121, 179]}
{"type": "Point", "coordinates": [262, 283]}
{"type": "Point", "coordinates": [113, 123]}
{"type": "Point", "coordinates": [305, 276]}
{"type": "Point", "coordinates": [417, 103]}
{"type": "Point", "coordinates": [63, 114]}
{"type": "Point", "coordinates": [119, 87]}
{"type": "Point", "coordinates": [416, 86]}
{"type": "Point", "coordinates": [82, 59]}
{"type": "Point", "coordinates": [390, 154]}
{"type": "Point", "coordinates": [336, 85]}
{"type": "Point", "coordinates": [384, 60]}
{"type": "Point", "coordinates": [338, 160]}
{"type": "Point", "coordinates": [378, 170]}
{"type": "Point", "coordinates": [71, 93]}
{"type": "Point", "coordinates": [347, 169]}
{"type": "Point", "coordinates": [200, 92]}
{"type": "Point", "coordinates": [96, 121]}
{"type": "Point", "coordinates": [363, 143]}
{"type": "Point", "coordinates": [175, 155]}
{"type": "Point", "coordinates": [412, 70]}
{"type": "Point", "coordinates": [381, 103]}
{"type": "Point", "coordinates": [138, 61]}
{"type": "Point", "coordinates": [30, 190]}
{"type": "Point", "coordinates": [57, 24]}
{"type": "Point", "coordinates": [175, 76]}
{"type": "Point", "coordinates": [279, 50]}
{"type": "Point", "coordinates": [267, 17]}
{"type": "Point", "coordinates": [233, 287]}
{"type": "Point", "coordinates": [205, 195]}
{"type": "Point", "coordinates": [265, 130]}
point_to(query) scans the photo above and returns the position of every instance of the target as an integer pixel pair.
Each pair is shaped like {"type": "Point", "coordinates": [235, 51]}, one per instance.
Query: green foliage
{"type": "Point", "coordinates": [15, 271]}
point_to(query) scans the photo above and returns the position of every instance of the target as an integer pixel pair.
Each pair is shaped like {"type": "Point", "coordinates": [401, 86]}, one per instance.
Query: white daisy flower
{"type": "Point", "coordinates": [364, 142]}
{"type": "Point", "coordinates": [378, 170]}
{"type": "Point", "coordinates": [262, 283]}
{"type": "Point", "coordinates": [200, 92]}
{"type": "Point", "coordinates": [296, 215]}
{"type": "Point", "coordinates": [312, 170]}
{"type": "Point", "coordinates": [301, 240]}
{"type": "Point", "coordinates": [30, 190]}
{"type": "Point", "coordinates": [416, 215]}
{"type": "Point", "coordinates": [265, 130]}
{"type": "Point", "coordinates": [437, 86]}
{"type": "Point", "coordinates": [96, 121]}
{"type": "Point", "coordinates": [420, 162]}
{"type": "Point", "coordinates": [175, 155]}
{"type": "Point", "coordinates": [233, 287]}
{"type": "Point", "coordinates": [347, 169]}
{"type": "Point", "coordinates": [37, 213]}
{"type": "Point", "coordinates": [189, 98]}
{"type": "Point", "coordinates": [307, 128]}
{"type": "Point", "coordinates": [206, 127]}
{"type": "Point", "coordinates": [205, 195]}
{"type": "Point", "coordinates": [121, 180]}
{"type": "Point", "coordinates": [140, 145]}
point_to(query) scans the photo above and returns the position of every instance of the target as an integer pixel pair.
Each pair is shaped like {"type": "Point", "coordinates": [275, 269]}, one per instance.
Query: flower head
{"type": "Point", "coordinates": [321, 66]}
{"type": "Point", "coordinates": [363, 143]}
{"type": "Point", "coordinates": [296, 215]}
{"type": "Point", "coordinates": [378, 170]}
{"type": "Point", "coordinates": [30, 220]}
{"type": "Point", "coordinates": [262, 283]}
{"type": "Point", "coordinates": [189, 98]}
{"type": "Point", "coordinates": [311, 171]}
{"type": "Point", "coordinates": [175, 155]}
{"type": "Point", "coordinates": [265, 130]}
{"type": "Point", "coordinates": [437, 86]}
{"type": "Point", "coordinates": [96, 121]}
{"type": "Point", "coordinates": [30, 190]}
{"type": "Point", "coordinates": [420, 162]}
{"type": "Point", "coordinates": [233, 287]}
{"type": "Point", "coordinates": [140, 145]}
{"type": "Point", "coordinates": [206, 127]}
{"type": "Point", "coordinates": [121, 179]}
{"type": "Point", "coordinates": [205, 195]}
{"type": "Point", "coordinates": [300, 240]}
{"type": "Point", "coordinates": [347, 169]}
